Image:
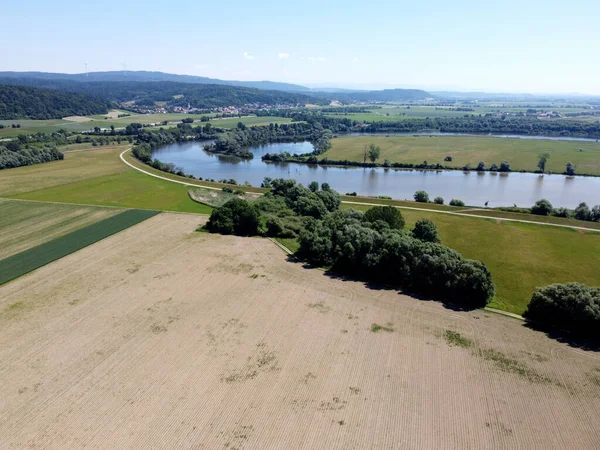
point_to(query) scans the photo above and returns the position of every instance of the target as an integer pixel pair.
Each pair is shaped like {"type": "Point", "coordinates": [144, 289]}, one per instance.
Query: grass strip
{"type": "Point", "coordinates": [16, 265]}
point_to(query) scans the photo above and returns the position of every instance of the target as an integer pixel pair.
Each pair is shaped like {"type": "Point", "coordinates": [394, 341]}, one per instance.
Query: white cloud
{"type": "Point", "coordinates": [355, 59]}
{"type": "Point", "coordinates": [321, 58]}
{"type": "Point", "coordinates": [316, 58]}
{"type": "Point", "coordinates": [248, 56]}
{"type": "Point", "coordinates": [283, 55]}
{"type": "Point", "coordinates": [201, 66]}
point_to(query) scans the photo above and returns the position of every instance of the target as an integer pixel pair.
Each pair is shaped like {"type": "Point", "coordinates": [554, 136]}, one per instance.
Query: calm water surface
{"type": "Point", "coordinates": [522, 189]}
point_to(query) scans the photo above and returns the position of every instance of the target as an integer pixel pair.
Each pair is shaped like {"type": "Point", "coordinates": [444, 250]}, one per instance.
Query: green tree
{"type": "Point", "coordinates": [426, 231]}
{"type": "Point", "coordinates": [570, 170]}
{"type": "Point", "coordinates": [392, 216]}
{"type": "Point", "coordinates": [582, 212]}
{"type": "Point", "coordinates": [543, 159]}
{"type": "Point", "coordinates": [456, 202]}
{"type": "Point", "coordinates": [481, 166]}
{"type": "Point", "coordinates": [438, 200]}
{"type": "Point", "coordinates": [314, 186]}
{"type": "Point", "coordinates": [542, 208]}
{"type": "Point", "coordinates": [237, 216]}
{"type": "Point", "coordinates": [504, 167]}
{"type": "Point", "coordinates": [373, 153]}
{"type": "Point", "coordinates": [421, 196]}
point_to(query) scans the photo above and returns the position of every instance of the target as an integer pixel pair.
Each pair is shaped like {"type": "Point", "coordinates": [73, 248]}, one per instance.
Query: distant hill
{"type": "Point", "coordinates": [21, 102]}
{"type": "Point", "coordinates": [145, 76]}
{"type": "Point", "coordinates": [174, 94]}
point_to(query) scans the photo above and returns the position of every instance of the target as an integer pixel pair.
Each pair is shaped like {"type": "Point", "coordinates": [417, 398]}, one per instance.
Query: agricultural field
{"type": "Point", "coordinates": [27, 224]}
{"type": "Point", "coordinates": [520, 256]}
{"type": "Point", "coordinates": [33, 258]}
{"type": "Point", "coordinates": [522, 154]}
{"type": "Point", "coordinates": [96, 177]}
{"type": "Point", "coordinates": [249, 121]}
{"type": "Point", "coordinates": [84, 123]}
{"type": "Point", "coordinates": [160, 336]}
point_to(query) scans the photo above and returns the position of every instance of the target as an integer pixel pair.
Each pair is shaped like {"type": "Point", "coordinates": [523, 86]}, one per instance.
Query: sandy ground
{"type": "Point", "coordinates": [78, 119]}
{"type": "Point", "coordinates": [160, 337]}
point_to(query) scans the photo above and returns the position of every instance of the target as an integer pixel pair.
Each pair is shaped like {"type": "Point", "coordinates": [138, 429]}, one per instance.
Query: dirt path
{"type": "Point", "coordinates": [162, 337]}
{"type": "Point", "coordinates": [573, 227]}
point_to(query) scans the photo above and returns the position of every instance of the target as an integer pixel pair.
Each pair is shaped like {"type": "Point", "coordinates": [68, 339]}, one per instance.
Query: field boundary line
{"type": "Point", "coordinates": [124, 208]}
{"type": "Point", "coordinates": [504, 313]}
{"type": "Point", "coordinates": [281, 246]}
{"type": "Point", "coordinates": [348, 202]}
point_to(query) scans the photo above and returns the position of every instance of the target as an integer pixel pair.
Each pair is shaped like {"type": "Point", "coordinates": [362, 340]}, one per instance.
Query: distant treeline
{"type": "Point", "coordinates": [20, 102]}
{"type": "Point", "coordinates": [485, 125]}
{"type": "Point", "coordinates": [147, 93]}
{"type": "Point", "coordinates": [28, 156]}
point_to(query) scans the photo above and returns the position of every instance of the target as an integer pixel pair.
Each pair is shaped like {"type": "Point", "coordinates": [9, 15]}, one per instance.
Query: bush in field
{"type": "Point", "coordinates": [421, 196]}
{"type": "Point", "coordinates": [237, 216]}
{"type": "Point", "coordinates": [392, 216]}
{"type": "Point", "coordinates": [542, 208]}
{"type": "Point", "coordinates": [455, 202]}
{"type": "Point", "coordinates": [438, 201]}
{"type": "Point", "coordinates": [426, 231]}
{"type": "Point", "coordinates": [571, 307]}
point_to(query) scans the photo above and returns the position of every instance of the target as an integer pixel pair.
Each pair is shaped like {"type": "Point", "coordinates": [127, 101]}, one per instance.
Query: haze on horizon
{"type": "Point", "coordinates": [535, 46]}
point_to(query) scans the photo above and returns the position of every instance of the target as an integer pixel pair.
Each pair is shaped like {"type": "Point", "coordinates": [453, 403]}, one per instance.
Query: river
{"type": "Point", "coordinates": [474, 188]}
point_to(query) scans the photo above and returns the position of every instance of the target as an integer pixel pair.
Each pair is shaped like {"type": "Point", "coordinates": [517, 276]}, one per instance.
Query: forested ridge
{"type": "Point", "coordinates": [147, 93]}
{"type": "Point", "coordinates": [22, 102]}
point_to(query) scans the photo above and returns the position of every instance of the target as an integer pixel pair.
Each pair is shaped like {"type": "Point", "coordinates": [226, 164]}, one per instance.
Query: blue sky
{"type": "Point", "coordinates": [508, 46]}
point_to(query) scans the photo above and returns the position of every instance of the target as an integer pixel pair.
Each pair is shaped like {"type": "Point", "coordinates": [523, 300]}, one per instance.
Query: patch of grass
{"type": "Point", "coordinates": [16, 306]}
{"type": "Point", "coordinates": [375, 328]}
{"type": "Point", "coordinates": [291, 244]}
{"type": "Point", "coordinates": [17, 265]}
{"type": "Point", "coordinates": [454, 338]}
{"type": "Point", "coordinates": [510, 365]}
{"type": "Point", "coordinates": [520, 256]}
{"type": "Point", "coordinates": [522, 154]}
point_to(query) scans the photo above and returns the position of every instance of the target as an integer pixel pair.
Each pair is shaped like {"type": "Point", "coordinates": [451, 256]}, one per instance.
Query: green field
{"type": "Point", "coordinates": [249, 121]}
{"type": "Point", "coordinates": [522, 154]}
{"type": "Point", "coordinates": [33, 258]}
{"type": "Point", "coordinates": [520, 256]}
{"type": "Point", "coordinates": [395, 113]}
{"type": "Point", "coordinates": [26, 224]}
{"type": "Point", "coordinates": [96, 177]}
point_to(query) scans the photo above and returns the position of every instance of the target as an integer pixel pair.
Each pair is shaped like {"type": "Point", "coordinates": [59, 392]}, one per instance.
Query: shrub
{"type": "Point", "coordinates": [570, 169]}
{"type": "Point", "coordinates": [438, 200]}
{"type": "Point", "coordinates": [455, 202]}
{"type": "Point", "coordinates": [392, 216]}
{"type": "Point", "coordinates": [582, 212]}
{"type": "Point", "coordinates": [542, 208]}
{"type": "Point", "coordinates": [448, 158]}
{"type": "Point", "coordinates": [237, 216]}
{"type": "Point", "coordinates": [227, 189]}
{"type": "Point", "coordinates": [572, 307]}
{"type": "Point", "coordinates": [504, 167]}
{"type": "Point", "coordinates": [481, 166]}
{"type": "Point", "coordinates": [426, 231]}
{"type": "Point", "coordinates": [562, 212]}
{"type": "Point", "coordinates": [421, 196]}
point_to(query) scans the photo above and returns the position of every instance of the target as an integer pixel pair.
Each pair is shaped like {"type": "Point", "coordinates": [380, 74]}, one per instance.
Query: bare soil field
{"type": "Point", "coordinates": [162, 337]}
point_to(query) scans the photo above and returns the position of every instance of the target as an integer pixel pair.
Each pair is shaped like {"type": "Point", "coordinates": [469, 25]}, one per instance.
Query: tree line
{"type": "Point", "coordinates": [371, 246]}
{"type": "Point", "coordinates": [28, 156]}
